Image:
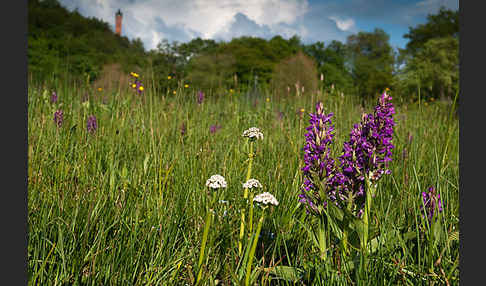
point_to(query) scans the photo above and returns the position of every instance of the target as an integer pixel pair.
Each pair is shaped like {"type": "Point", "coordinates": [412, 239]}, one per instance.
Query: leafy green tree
{"type": "Point", "coordinates": [443, 24]}
{"type": "Point", "coordinates": [67, 44]}
{"type": "Point", "coordinates": [295, 44]}
{"type": "Point", "coordinates": [336, 54]}
{"type": "Point", "coordinates": [331, 64]}
{"type": "Point", "coordinates": [372, 61]}
{"type": "Point", "coordinates": [317, 51]}
{"type": "Point", "coordinates": [253, 56]}
{"type": "Point", "coordinates": [212, 70]}
{"type": "Point", "coordinates": [196, 47]}
{"type": "Point", "coordinates": [431, 57]}
{"type": "Point", "coordinates": [435, 67]}
{"type": "Point", "coordinates": [337, 77]}
{"type": "Point", "coordinates": [41, 59]}
{"type": "Point", "coordinates": [281, 48]}
{"type": "Point", "coordinates": [164, 64]}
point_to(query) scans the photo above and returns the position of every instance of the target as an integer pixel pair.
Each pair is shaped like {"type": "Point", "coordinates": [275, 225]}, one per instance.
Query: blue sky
{"type": "Point", "coordinates": [311, 20]}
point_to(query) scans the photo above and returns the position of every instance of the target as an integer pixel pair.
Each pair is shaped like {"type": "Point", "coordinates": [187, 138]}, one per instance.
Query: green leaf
{"type": "Point", "coordinates": [335, 227]}
{"type": "Point", "coordinates": [124, 172]}
{"type": "Point", "coordinates": [112, 179]}
{"type": "Point", "coordinates": [243, 262]}
{"type": "Point", "coordinates": [437, 230]}
{"type": "Point", "coordinates": [310, 233]}
{"type": "Point", "coordinates": [359, 227]}
{"type": "Point", "coordinates": [73, 128]}
{"type": "Point", "coordinates": [374, 243]}
{"type": "Point", "coordinates": [389, 240]}
{"type": "Point", "coordinates": [409, 235]}
{"type": "Point", "coordinates": [145, 163]}
{"type": "Point", "coordinates": [334, 211]}
{"type": "Point", "coordinates": [353, 240]}
{"type": "Point", "coordinates": [288, 273]}
{"type": "Point", "coordinates": [104, 107]}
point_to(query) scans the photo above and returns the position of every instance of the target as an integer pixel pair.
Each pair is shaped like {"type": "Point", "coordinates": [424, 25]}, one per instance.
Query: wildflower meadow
{"type": "Point", "coordinates": [131, 186]}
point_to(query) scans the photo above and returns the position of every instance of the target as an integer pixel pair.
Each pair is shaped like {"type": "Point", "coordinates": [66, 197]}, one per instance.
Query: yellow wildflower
{"type": "Point", "coordinates": [100, 89]}
{"type": "Point", "coordinates": [268, 99]}
{"type": "Point", "coordinates": [186, 85]}
{"type": "Point", "coordinates": [141, 88]}
{"type": "Point", "coordinates": [134, 85]}
{"type": "Point", "coordinates": [302, 110]}
{"type": "Point", "coordinates": [169, 77]}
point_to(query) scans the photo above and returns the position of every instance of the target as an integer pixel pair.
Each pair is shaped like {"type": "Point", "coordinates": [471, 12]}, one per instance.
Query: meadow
{"type": "Point", "coordinates": [126, 203]}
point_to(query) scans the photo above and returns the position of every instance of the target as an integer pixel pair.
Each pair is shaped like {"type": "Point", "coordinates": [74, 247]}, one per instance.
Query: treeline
{"type": "Point", "coordinates": [61, 42]}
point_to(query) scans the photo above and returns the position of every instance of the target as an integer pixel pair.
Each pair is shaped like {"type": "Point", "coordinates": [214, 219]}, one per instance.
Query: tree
{"type": "Point", "coordinates": [212, 70]}
{"type": "Point", "coordinates": [372, 61]}
{"type": "Point", "coordinates": [443, 24]}
{"type": "Point", "coordinates": [254, 58]}
{"type": "Point", "coordinates": [337, 77]}
{"type": "Point", "coordinates": [317, 51]}
{"type": "Point", "coordinates": [331, 64]}
{"type": "Point", "coordinates": [280, 47]}
{"type": "Point", "coordinates": [435, 67]}
{"type": "Point", "coordinates": [196, 47]}
{"type": "Point", "coordinates": [67, 44]}
{"type": "Point", "coordinates": [431, 57]}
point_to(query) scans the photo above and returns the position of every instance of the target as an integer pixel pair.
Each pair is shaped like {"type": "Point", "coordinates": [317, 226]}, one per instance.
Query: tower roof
{"type": "Point", "coordinates": [119, 13]}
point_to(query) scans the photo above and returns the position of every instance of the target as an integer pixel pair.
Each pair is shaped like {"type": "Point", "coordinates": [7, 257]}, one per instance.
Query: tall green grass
{"type": "Point", "coordinates": [126, 205]}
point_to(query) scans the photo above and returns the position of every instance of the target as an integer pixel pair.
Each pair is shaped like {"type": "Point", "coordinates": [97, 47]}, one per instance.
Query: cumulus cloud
{"type": "Point", "coordinates": [343, 24]}
{"type": "Point", "coordinates": [183, 20]}
{"type": "Point", "coordinates": [151, 19]}
{"type": "Point", "coordinates": [241, 25]}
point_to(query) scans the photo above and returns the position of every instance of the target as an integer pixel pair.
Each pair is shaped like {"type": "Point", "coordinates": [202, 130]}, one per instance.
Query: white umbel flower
{"type": "Point", "coordinates": [216, 182]}
{"type": "Point", "coordinates": [266, 198]}
{"type": "Point", "coordinates": [253, 132]}
{"type": "Point", "coordinates": [252, 183]}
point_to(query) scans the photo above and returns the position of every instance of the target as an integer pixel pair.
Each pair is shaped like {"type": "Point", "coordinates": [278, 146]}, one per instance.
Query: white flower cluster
{"type": "Point", "coordinates": [216, 182]}
{"type": "Point", "coordinates": [252, 183]}
{"type": "Point", "coordinates": [253, 132]}
{"type": "Point", "coordinates": [266, 198]}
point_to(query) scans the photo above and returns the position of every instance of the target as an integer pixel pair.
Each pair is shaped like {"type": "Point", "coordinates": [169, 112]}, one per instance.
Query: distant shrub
{"type": "Point", "coordinates": [296, 75]}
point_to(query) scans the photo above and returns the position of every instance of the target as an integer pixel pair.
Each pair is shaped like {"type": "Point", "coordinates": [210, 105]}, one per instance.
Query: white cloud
{"type": "Point", "coordinates": [212, 17]}
{"type": "Point", "coordinates": [183, 20]}
{"type": "Point", "coordinates": [202, 18]}
{"type": "Point", "coordinates": [343, 24]}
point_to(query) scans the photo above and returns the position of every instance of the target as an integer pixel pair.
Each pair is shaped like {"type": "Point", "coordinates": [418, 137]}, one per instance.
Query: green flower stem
{"type": "Point", "coordinates": [245, 196]}
{"type": "Point", "coordinates": [253, 248]}
{"type": "Point", "coordinates": [207, 224]}
{"type": "Point", "coordinates": [431, 240]}
{"type": "Point", "coordinates": [242, 231]}
{"type": "Point", "coordinates": [250, 163]}
{"type": "Point", "coordinates": [322, 239]}
{"type": "Point", "coordinates": [345, 244]}
{"type": "Point", "coordinates": [250, 215]}
{"type": "Point", "coordinates": [370, 190]}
